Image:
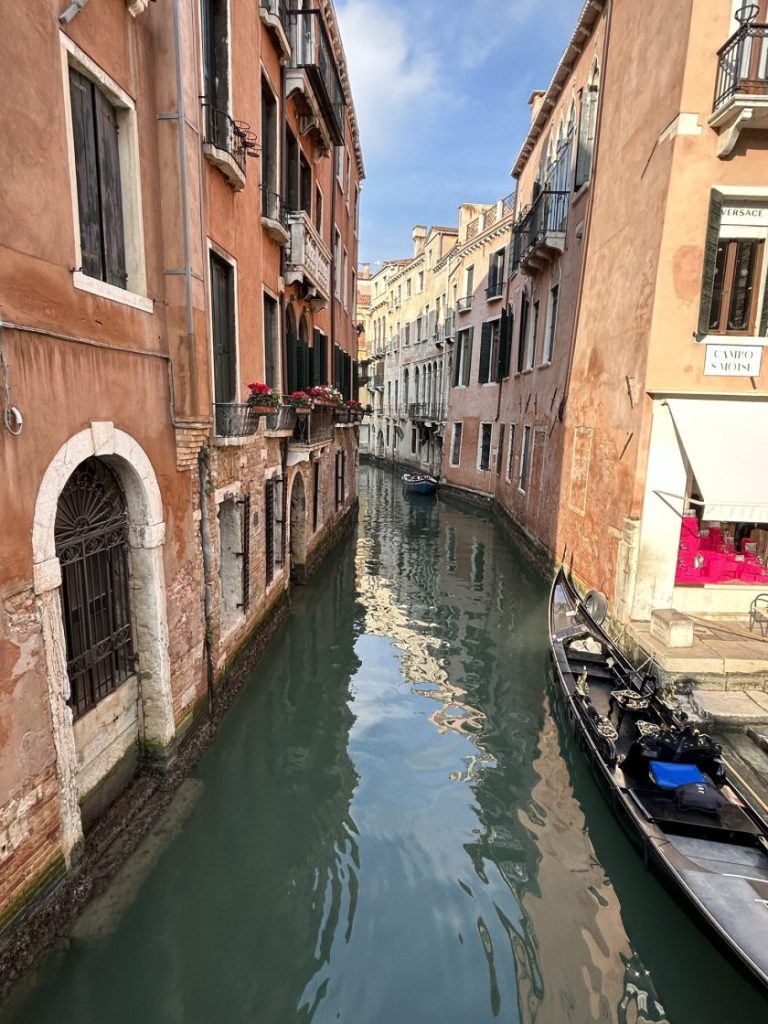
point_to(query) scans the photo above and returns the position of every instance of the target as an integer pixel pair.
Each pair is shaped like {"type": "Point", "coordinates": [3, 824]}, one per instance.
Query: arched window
{"type": "Point", "coordinates": [91, 545]}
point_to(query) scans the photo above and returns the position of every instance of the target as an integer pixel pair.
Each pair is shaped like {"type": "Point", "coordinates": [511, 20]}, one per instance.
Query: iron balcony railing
{"type": "Point", "coordinates": [234, 419]}
{"type": "Point", "coordinates": [465, 304]}
{"type": "Point", "coordinates": [271, 205]}
{"type": "Point", "coordinates": [313, 427]}
{"type": "Point", "coordinates": [495, 287]}
{"type": "Point", "coordinates": [742, 65]}
{"type": "Point", "coordinates": [450, 324]}
{"type": "Point", "coordinates": [233, 137]}
{"type": "Point", "coordinates": [283, 418]}
{"type": "Point", "coordinates": [547, 216]}
{"type": "Point", "coordinates": [312, 52]}
{"type": "Point", "coordinates": [426, 411]}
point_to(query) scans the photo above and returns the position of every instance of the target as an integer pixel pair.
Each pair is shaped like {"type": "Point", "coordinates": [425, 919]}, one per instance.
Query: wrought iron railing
{"type": "Point", "coordinates": [234, 419]}
{"type": "Point", "coordinates": [283, 418]}
{"type": "Point", "coordinates": [742, 64]}
{"type": "Point", "coordinates": [450, 324]}
{"type": "Point", "coordinates": [508, 204]}
{"type": "Point", "coordinates": [271, 205]}
{"type": "Point", "coordinates": [233, 137]}
{"type": "Point", "coordinates": [547, 215]}
{"type": "Point", "coordinates": [314, 427]}
{"type": "Point", "coordinates": [495, 287]}
{"type": "Point", "coordinates": [465, 304]}
{"type": "Point", "coordinates": [426, 411]}
{"type": "Point", "coordinates": [312, 51]}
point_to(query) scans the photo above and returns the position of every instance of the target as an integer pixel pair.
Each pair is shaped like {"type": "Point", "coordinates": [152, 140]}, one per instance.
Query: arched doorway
{"type": "Point", "coordinates": [97, 546]}
{"type": "Point", "coordinates": [298, 528]}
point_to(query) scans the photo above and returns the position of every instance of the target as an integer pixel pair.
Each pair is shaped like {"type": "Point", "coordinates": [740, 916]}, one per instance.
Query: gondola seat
{"type": "Point", "coordinates": [671, 774]}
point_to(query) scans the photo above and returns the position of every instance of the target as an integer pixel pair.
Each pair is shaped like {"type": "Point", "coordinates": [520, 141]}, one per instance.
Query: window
{"type": "Point", "coordinates": [420, 281]}
{"type": "Point", "coordinates": [292, 189]}
{"type": "Point", "coordinates": [484, 447]}
{"type": "Point", "coordinates": [417, 329]}
{"type": "Point", "coordinates": [523, 332]}
{"type": "Point", "coordinates": [456, 444]}
{"type": "Point", "coordinates": [408, 284]}
{"type": "Point", "coordinates": [95, 122]}
{"type": "Point", "coordinates": [511, 451]}
{"type": "Point", "coordinates": [348, 178]}
{"type": "Point", "coordinates": [337, 261]}
{"type": "Point", "coordinates": [469, 282]}
{"type": "Point", "coordinates": [274, 529]}
{"type": "Point", "coordinates": [214, 28]}
{"type": "Point", "coordinates": [735, 290]}
{"type": "Point", "coordinates": [345, 275]}
{"type": "Point", "coordinates": [356, 210]}
{"type": "Point", "coordinates": [305, 185]}
{"type": "Point", "coordinates": [488, 371]}
{"type": "Point", "coordinates": [500, 449]}
{"type": "Point", "coordinates": [271, 342]}
{"type": "Point", "coordinates": [549, 341]}
{"type": "Point", "coordinates": [341, 458]}
{"type": "Point", "coordinates": [270, 201]}
{"type": "Point", "coordinates": [223, 337]}
{"type": "Point", "coordinates": [315, 494]}
{"type": "Point", "coordinates": [525, 459]}
{"type": "Point", "coordinates": [587, 124]}
{"type": "Point", "coordinates": [530, 345]}
{"type": "Point", "coordinates": [91, 536]}
{"type": "Point", "coordinates": [407, 334]}
{"type": "Point", "coordinates": [414, 437]}
{"type": "Point", "coordinates": [463, 357]}
{"type": "Point", "coordinates": [338, 160]}
{"type": "Point", "coordinates": [495, 275]}
{"type": "Point", "coordinates": [234, 541]}
{"type": "Point", "coordinates": [319, 210]}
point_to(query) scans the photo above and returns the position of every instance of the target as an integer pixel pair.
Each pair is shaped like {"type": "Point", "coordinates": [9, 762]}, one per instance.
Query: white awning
{"type": "Point", "coordinates": [726, 443]}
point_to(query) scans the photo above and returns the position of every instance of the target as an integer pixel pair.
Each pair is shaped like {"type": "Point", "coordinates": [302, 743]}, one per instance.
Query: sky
{"type": "Point", "coordinates": [441, 91]}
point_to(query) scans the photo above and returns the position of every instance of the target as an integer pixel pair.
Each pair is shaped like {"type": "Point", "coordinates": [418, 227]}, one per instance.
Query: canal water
{"type": "Point", "coordinates": [391, 827]}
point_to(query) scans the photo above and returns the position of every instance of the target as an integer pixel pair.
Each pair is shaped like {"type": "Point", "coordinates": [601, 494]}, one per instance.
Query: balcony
{"type": "Point", "coordinates": [281, 422]}
{"type": "Point", "coordinates": [495, 288]}
{"type": "Point", "coordinates": [227, 144]}
{"type": "Point", "coordinates": [741, 89]}
{"type": "Point", "coordinates": [464, 305]}
{"type": "Point", "coordinates": [234, 419]}
{"type": "Point", "coordinates": [274, 14]}
{"type": "Point", "coordinates": [426, 412]}
{"type": "Point", "coordinates": [313, 428]}
{"type": "Point", "coordinates": [272, 216]}
{"type": "Point", "coordinates": [449, 331]}
{"type": "Point", "coordinates": [539, 234]}
{"type": "Point", "coordinates": [313, 77]}
{"type": "Point", "coordinates": [307, 258]}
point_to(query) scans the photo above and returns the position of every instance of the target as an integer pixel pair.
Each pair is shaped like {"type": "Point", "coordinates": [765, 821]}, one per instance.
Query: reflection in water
{"type": "Point", "coordinates": [392, 827]}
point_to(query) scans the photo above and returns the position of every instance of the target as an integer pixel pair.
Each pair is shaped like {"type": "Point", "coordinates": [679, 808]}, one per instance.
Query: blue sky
{"type": "Point", "coordinates": [441, 90]}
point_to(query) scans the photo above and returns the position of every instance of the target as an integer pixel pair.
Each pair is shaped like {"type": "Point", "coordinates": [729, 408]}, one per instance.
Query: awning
{"type": "Point", "coordinates": [725, 442]}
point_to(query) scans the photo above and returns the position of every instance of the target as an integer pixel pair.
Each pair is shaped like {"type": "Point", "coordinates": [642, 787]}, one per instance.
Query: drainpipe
{"type": "Point", "coordinates": [588, 216]}
{"type": "Point", "coordinates": [207, 552]}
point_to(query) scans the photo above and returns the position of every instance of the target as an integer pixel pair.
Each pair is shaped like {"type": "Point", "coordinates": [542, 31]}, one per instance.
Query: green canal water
{"type": "Point", "coordinates": [391, 828]}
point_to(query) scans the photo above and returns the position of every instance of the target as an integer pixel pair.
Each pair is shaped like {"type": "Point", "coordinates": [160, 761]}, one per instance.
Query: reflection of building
{"type": "Point", "coordinates": [180, 219]}
{"type": "Point", "coordinates": [633, 384]}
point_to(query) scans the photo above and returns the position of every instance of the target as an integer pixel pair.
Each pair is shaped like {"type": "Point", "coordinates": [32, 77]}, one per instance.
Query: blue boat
{"type": "Point", "coordinates": [419, 483]}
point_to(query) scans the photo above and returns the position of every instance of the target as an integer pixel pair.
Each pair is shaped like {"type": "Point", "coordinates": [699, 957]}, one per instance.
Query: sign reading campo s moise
{"type": "Point", "coordinates": [733, 360]}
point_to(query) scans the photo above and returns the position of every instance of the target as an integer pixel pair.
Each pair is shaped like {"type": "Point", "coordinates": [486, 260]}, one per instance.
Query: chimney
{"type": "Point", "coordinates": [419, 236]}
{"type": "Point", "coordinates": [365, 272]}
{"type": "Point", "coordinates": [535, 102]}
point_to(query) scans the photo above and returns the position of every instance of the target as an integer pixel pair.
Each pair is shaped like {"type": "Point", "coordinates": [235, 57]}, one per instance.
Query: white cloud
{"type": "Point", "coordinates": [395, 81]}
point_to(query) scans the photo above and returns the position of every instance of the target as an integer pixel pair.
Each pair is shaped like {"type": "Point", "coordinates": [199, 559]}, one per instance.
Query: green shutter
{"type": "Point", "coordinates": [111, 191]}
{"type": "Point", "coordinates": [504, 346]}
{"type": "Point", "coordinates": [483, 374]}
{"type": "Point", "coordinates": [521, 333]}
{"type": "Point", "coordinates": [710, 259]}
{"type": "Point", "coordinates": [467, 355]}
{"type": "Point", "coordinates": [87, 174]}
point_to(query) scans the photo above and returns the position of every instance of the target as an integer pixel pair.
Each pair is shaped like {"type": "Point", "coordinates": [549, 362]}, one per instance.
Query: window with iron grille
{"type": "Point", "coordinates": [484, 446]}
{"type": "Point", "coordinates": [91, 535]}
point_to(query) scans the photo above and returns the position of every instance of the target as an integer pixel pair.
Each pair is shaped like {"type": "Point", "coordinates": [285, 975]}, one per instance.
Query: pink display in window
{"type": "Point", "coordinates": [708, 556]}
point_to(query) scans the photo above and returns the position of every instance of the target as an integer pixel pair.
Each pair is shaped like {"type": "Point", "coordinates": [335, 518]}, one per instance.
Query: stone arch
{"type": "Point", "coordinates": [298, 523]}
{"type": "Point", "coordinates": [146, 535]}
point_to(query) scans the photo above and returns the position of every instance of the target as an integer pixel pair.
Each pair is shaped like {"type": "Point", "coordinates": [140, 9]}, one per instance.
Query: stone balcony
{"type": "Point", "coordinates": [308, 260]}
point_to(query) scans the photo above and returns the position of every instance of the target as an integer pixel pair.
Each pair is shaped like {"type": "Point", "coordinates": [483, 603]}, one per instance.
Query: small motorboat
{"type": "Point", "coordinates": [419, 483]}
{"type": "Point", "coordinates": [666, 781]}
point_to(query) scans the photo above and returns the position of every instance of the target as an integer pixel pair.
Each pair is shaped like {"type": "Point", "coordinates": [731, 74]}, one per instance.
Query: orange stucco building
{"type": "Point", "coordinates": [178, 219]}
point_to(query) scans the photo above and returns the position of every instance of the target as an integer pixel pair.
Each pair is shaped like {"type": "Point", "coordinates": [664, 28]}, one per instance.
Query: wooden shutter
{"type": "Point", "coordinates": [111, 191]}
{"type": "Point", "coordinates": [456, 360]}
{"type": "Point", "coordinates": [321, 357]}
{"type": "Point", "coordinates": [522, 332]}
{"type": "Point", "coordinates": [483, 374]}
{"type": "Point", "coordinates": [710, 259]}
{"type": "Point", "coordinates": [504, 346]}
{"type": "Point", "coordinates": [467, 355]}
{"type": "Point", "coordinates": [223, 323]}
{"type": "Point", "coordinates": [87, 173]}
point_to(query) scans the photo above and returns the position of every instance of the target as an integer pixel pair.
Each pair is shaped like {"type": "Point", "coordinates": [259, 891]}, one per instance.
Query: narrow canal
{"type": "Point", "coordinates": [390, 827]}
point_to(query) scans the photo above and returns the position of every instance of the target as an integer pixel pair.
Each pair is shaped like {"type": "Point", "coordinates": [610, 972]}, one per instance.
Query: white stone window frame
{"type": "Point", "coordinates": [212, 246]}
{"type": "Point", "coordinates": [458, 428]}
{"type": "Point", "coordinates": [493, 367]}
{"type": "Point", "coordinates": [135, 294]}
{"type": "Point", "coordinates": [480, 467]}
{"type": "Point", "coordinates": [735, 196]}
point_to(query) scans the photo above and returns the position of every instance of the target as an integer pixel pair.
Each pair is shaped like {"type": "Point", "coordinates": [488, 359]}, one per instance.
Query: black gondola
{"type": "Point", "coordinates": [666, 780]}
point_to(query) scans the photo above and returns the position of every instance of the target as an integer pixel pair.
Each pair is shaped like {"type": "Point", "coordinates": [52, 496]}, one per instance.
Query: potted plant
{"type": "Point", "coordinates": [355, 412]}
{"type": "Point", "coordinates": [263, 399]}
{"type": "Point", "coordinates": [302, 402]}
{"type": "Point", "coordinates": [325, 394]}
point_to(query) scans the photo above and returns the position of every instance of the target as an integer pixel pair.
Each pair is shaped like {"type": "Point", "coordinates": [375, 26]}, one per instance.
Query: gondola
{"type": "Point", "coordinates": [419, 483]}
{"type": "Point", "coordinates": [666, 781]}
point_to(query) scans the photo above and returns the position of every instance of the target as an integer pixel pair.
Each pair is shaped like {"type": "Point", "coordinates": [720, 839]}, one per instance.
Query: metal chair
{"type": "Point", "coordinates": [758, 614]}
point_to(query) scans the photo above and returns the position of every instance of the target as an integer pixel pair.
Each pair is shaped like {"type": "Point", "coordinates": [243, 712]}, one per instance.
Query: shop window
{"type": "Point", "coordinates": [456, 444]}
{"type": "Point", "coordinates": [91, 536]}
{"type": "Point", "coordinates": [484, 447]}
